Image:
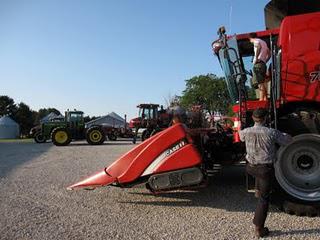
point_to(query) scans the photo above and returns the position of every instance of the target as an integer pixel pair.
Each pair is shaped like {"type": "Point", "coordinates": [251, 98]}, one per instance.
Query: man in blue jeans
{"type": "Point", "coordinates": [261, 153]}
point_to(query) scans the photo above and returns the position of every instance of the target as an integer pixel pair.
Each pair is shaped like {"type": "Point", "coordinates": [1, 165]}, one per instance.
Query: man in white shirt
{"type": "Point", "coordinates": [261, 57]}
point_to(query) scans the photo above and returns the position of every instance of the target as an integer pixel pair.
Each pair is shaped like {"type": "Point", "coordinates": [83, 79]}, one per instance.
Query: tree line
{"type": "Point", "coordinates": [209, 91]}
{"type": "Point", "coordinates": [23, 114]}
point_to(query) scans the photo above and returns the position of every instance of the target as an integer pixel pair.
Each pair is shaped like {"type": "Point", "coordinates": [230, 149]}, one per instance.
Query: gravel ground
{"type": "Point", "coordinates": [36, 205]}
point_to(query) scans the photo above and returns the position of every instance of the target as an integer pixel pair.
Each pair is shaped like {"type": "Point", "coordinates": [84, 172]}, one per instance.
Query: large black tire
{"type": "Point", "coordinates": [297, 172]}
{"type": "Point", "coordinates": [39, 138]}
{"type": "Point", "coordinates": [145, 135]}
{"type": "Point", "coordinates": [60, 136]}
{"type": "Point", "coordinates": [155, 131]}
{"type": "Point", "coordinates": [112, 137]}
{"type": "Point", "coordinates": [297, 120]}
{"type": "Point", "coordinates": [95, 136]}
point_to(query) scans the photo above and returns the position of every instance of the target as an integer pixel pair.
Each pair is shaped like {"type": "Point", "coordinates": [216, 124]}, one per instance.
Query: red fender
{"type": "Point", "coordinates": [166, 151]}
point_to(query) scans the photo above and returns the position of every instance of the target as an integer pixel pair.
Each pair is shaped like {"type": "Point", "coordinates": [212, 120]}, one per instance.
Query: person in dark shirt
{"type": "Point", "coordinates": [261, 150]}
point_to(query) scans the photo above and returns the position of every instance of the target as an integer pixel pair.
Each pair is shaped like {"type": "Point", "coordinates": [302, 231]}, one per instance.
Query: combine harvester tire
{"type": "Point", "coordinates": [298, 174]}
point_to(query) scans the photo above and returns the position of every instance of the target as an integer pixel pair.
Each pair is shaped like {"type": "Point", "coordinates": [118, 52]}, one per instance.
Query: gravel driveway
{"type": "Point", "coordinates": [36, 205]}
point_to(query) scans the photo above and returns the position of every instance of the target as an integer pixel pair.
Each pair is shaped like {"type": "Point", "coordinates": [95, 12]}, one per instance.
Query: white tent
{"type": "Point", "coordinates": [8, 128]}
{"type": "Point", "coordinates": [51, 117]}
{"type": "Point", "coordinates": [111, 120]}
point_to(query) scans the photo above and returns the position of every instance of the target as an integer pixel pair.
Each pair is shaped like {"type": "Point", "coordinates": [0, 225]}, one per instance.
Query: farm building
{"type": "Point", "coordinates": [51, 117]}
{"type": "Point", "coordinates": [9, 128]}
{"type": "Point", "coordinates": [112, 120]}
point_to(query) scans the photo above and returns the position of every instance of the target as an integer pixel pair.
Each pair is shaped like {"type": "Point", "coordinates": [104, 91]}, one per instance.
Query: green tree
{"type": "Point", "coordinates": [172, 100]}
{"type": "Point", "coordinates": [54, 110]}
{"type": "Point", "coordinates": [7, 106]}
{"type": "Point", "coordinates": [209, 91]}
{"type": "Point", "coordinates": [24, 116]}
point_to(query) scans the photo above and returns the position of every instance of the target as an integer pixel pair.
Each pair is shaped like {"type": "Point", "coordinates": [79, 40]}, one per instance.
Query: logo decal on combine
{"type": "Point", "coordinates": [175, 148]}
{"type": "Point", "coordinates": [314, 76]}
{"type": "Point", "coordinates": [162, 156]}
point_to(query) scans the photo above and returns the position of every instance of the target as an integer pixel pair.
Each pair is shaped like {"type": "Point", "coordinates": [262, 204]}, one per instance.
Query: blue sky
{"type": "Point", "coordinates": [110, 55]}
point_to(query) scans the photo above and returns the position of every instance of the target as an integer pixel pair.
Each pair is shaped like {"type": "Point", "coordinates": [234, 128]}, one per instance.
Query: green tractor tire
{"type": "Point", "coordinates": [112, 137]}
{"type": "Point", "coordinates": [95, 136]}
{"type": "Point", "coordinates": [39, 138]}
{"type": "Point", "coordinates": [60, 136]}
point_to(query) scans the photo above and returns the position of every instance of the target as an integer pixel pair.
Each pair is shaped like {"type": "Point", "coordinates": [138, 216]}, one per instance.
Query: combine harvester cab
{"type": "Point", "coordinates": [167, 160]}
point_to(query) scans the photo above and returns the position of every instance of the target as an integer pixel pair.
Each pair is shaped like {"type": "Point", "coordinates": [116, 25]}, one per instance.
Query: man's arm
{"type": "Point", "coordinates": [257, 49]}
{"type": "Point", "coordinates": [242, 135]}
{"type": "Point", "coordinates": [282, 138]}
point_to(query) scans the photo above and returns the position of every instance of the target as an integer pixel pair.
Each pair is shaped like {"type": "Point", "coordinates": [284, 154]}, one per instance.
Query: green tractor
{"type": "Point", "coordinates": [72, 127]}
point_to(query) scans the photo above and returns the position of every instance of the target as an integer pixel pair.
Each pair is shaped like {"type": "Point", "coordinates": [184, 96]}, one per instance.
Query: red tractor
{"type": "Point", "coordinates": [151, 119]}
{"type": "Point", "coordinates": [179, 157]}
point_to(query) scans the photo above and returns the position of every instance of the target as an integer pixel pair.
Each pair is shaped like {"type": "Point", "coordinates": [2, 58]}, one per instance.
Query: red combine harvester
{"type": "Point", "coordinates": [178, 157]}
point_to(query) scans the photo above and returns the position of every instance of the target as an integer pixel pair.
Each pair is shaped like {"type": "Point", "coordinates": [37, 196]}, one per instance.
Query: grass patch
{"type": "Point", "coordinates": [24, 140]}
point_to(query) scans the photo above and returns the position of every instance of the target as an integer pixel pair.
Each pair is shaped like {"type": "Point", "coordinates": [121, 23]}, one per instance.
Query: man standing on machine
{"type": "Point", "coordinates": [260, 59]}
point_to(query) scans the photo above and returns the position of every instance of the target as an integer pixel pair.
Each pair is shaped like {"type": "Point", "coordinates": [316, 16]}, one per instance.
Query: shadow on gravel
{"type": "Point", "coordinates": [107, 143]}
{"type": "Point", "coordinates": [203, 198]}
{"type": "Point", "coordinates": [14, 154]}
{"type": "Point", "coordinates": [128, 140]}
{"type": "Point", "coordinates": [278, 233]}
{"type": "Point", "coordinates": [225, 191]}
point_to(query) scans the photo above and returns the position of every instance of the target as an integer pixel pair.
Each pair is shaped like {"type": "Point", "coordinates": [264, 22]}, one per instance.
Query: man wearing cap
{"type": "Point", "coordinates": [261, 150]}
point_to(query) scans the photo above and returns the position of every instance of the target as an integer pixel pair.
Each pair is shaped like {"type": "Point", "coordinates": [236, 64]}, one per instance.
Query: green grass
{"type": "Point", "coordinates": [24, 140]}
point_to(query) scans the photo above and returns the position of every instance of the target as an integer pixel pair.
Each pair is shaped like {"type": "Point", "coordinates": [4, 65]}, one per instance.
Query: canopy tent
{"type": "Point", "coordinates": [111, 120]}
{"type": "Point", "coordinates": [9, 128]}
